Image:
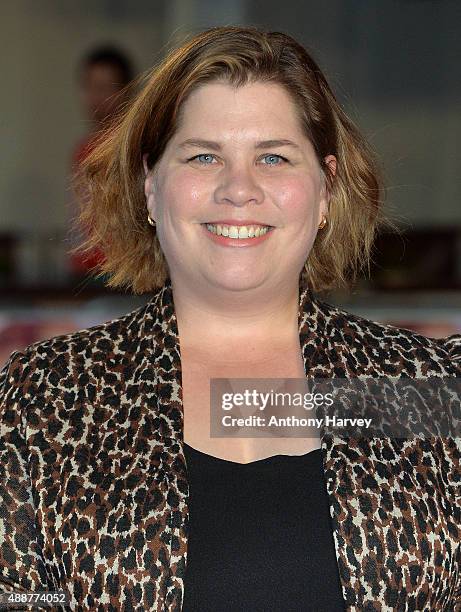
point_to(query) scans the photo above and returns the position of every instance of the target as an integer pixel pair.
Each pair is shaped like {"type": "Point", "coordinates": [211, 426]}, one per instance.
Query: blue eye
{"type": "Point", "coordinates": [276, 157]}
{"type": "Point", "coordinates": [197, 157]}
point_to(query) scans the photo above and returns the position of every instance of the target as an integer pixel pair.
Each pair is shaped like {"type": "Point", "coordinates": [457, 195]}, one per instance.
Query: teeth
{"type": "Point", "coordinates": [240, 231]}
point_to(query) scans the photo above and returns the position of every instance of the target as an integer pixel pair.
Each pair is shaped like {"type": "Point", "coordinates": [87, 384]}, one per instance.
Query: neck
{"type": "Point", "coordinates": [219, 320]}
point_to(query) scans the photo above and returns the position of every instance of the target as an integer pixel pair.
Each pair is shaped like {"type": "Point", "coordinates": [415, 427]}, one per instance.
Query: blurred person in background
{"type": "Point", "coordinates": [103, 77]}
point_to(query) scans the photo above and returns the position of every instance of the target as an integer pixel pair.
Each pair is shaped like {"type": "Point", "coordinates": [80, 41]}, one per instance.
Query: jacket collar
{"type": "Point", "coordinates": [161, 307]}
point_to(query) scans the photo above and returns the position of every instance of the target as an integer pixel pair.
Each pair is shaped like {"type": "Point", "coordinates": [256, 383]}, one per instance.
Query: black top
{"type": "Point", "coordinates": [260, 536]}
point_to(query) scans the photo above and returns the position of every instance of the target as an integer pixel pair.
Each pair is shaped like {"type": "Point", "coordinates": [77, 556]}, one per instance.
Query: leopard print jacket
{"type": "Point", "coordinates": [94, 486]}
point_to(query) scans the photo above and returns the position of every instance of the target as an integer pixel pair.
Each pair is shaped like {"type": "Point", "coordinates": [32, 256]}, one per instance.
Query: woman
{"type": "Point", "coordinates": [115, 490]}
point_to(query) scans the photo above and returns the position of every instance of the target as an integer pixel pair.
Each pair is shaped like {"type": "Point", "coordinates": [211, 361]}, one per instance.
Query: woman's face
{"type": "Point", "coordinates": [239, 158]}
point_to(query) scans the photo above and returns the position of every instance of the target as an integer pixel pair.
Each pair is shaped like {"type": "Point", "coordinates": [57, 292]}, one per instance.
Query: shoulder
{"type": "Point", "coordinates": [94, 348]}
{"type": "Point", "coordinates": [392, 349]}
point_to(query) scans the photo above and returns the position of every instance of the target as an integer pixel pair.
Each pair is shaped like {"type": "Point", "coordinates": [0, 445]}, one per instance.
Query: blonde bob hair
{"type": "Point", "coordinates": [113, 213]}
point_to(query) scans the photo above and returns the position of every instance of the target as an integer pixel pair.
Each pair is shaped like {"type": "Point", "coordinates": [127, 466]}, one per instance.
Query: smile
{"type": "Point", "coordinates": [239, 232]}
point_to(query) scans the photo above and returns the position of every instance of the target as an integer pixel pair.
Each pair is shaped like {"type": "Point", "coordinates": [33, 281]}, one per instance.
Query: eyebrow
{"type": "Point", "coordinates": [215, 146]}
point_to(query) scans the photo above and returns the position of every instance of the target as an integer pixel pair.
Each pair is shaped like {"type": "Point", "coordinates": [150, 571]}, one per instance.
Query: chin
{"type": "Point", "coordinates": [236, 281]}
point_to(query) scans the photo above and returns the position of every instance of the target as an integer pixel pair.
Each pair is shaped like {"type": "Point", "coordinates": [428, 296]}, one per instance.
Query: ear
{"type": "Point", "coordinates": [144, 163]}
{"type": "Point", "coordinates": [330, 162]}
{"type": "Point", "coordinates": [149, 184]}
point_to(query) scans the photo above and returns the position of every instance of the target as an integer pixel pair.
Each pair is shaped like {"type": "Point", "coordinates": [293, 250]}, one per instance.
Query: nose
{"type": "Point", "coordinates": [238, 186]}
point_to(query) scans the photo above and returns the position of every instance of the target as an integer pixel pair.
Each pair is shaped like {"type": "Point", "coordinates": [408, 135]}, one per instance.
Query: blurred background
{"type": "Point", "coordinates": [393, 64]}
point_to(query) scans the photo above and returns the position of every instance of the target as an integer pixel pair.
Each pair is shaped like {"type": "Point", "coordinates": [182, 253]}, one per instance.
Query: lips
{"type": "Point", "coordinates": [237, 222]}
{"type": "Point", "coordinates": [237, 236]}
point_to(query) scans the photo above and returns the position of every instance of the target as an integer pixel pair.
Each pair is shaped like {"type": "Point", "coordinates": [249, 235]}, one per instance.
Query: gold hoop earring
{"type": "Point", "coordinates": [150, 220]}
{"type": "Point", "coordinates": [323, 222]}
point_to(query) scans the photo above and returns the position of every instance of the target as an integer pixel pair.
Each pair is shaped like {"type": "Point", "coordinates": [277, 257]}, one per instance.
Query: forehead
{"type": "Point", "coordinates": [220, 106]}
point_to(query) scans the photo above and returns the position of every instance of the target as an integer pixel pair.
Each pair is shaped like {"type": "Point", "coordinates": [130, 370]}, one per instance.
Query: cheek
{"type": "Point", "coordinates": [185, 192]}
{"type": "Point", "coordinates": [298, 198]}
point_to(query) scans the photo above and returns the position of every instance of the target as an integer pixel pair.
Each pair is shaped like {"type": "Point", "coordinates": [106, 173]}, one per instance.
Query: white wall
{"type": "Point", "coordinates": [42, 43]}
